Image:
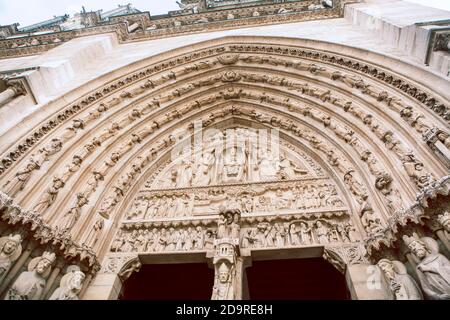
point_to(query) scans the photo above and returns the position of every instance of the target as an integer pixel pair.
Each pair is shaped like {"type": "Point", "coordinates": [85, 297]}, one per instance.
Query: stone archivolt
{"type": "Point", "coordinates": [343, 114]}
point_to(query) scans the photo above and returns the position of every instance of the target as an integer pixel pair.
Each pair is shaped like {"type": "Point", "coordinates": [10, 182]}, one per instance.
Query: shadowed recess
{"type": "Point", "coordinates": [190, 281]}
{"type": "Point", "coordinates": [296, 279]}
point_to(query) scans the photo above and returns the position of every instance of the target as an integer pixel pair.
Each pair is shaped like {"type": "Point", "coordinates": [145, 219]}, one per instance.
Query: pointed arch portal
{"type": "Point", "coordinates": [360, 145]}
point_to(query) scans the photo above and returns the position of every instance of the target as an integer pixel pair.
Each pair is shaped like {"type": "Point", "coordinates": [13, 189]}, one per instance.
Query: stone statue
{"type": "Point", "coordinates": [30, 284]}
{"type": "Point", "coordinates": [68, 220]}
{"type": "Point", "coordinates": [433, 269]}
{"type": "Point", "coordinates": [223, 288]}
{"type": "Point", "coordinates": [321, 232]}
{"type": "Point", "coordinates": [70, 285]}
{"type": "Point", "coordinates": [15, 185]}
{"type": "Point", "coordinates": [266, 167]}
{"type": "Point", "coordinates": [203, 174]}
{"type": "Point", "coordinates": [402, 285]}
{"type": "Point", "coordinates": [10, 250]}
{"type": "Point", "coordinates": [234, 166]}
{"type": "Point", "coordinates": [305, 233]}
{"type": "Point", "coordinates": [288, 170]}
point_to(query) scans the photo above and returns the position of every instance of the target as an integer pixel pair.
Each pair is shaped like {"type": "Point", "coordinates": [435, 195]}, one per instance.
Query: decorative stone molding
{"type": "Point", "coordinates": [12, 214]}
{"type": "Point", "coordinates": [341, 256]}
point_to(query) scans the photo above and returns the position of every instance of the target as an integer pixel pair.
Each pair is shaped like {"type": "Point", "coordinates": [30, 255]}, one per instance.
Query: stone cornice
{"type": "Point", "coordinates": [173, 25]}
{"type": "Point", "coordinates": [13, 214]}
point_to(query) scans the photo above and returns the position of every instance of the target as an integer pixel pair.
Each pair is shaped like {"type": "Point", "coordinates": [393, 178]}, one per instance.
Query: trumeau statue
{"type": "Point", "coordinates": [433, 269]}
{"type": "Point", "coordinates": [70, 285]}
{"type": "Point", "coordinates": [30, 284]}
{"type": "Point", "coordinates": [10, 250]}
{"type": "Point", "coordinates": [402, 285]}
{"type": "Point", "coordinates": [223, 286]}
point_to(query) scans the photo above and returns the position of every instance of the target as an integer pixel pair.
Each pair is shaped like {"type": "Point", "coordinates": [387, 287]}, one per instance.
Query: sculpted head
{"type": "Point", "coordinates": [73, 279]}
{"type": "Point", "coordinates": [417, 246]}
{"type": "Point", "coordinates": [444, 220]}
{"type": "Point", "coordinates": [387, 267]}
{"type": "Point", "coordinates": [76, 281]}
{"type": "Point", "coordinates": [383, 181]}
{"type": "Point", "coordinates": [44, 263]}
{"type": "Point", "coordinates": [11, 244]}
{"type": "Point", "coordinates": [406, 112]}
{"type": "Point", "coordinates": [224, 273]}
{"type": "Point", "coordinates": [56, 144]}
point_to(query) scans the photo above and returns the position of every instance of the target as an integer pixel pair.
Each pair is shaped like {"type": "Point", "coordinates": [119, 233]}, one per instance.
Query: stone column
{"type": "Point", "coordinates": [15, 88]}
{"type": "Point", "coordinates": [86, 284]}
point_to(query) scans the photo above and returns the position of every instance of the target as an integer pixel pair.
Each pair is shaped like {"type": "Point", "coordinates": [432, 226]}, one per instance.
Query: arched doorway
{"type": "Point", "coordinates": [349, 161]}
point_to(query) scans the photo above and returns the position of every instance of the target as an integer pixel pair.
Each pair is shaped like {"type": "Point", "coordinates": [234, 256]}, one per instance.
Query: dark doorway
{"type": "Point", "coordinates": [296, 279]}
{"type": "Point", "coordinates": [190, 281]}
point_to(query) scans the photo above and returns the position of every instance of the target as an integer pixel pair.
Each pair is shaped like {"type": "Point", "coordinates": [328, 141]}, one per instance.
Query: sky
{"type": "Point", "coordinates": [27, 12]}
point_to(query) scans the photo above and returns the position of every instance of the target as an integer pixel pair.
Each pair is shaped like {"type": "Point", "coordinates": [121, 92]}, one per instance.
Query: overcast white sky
{"type": "Point", "coordinates": [27, 12]}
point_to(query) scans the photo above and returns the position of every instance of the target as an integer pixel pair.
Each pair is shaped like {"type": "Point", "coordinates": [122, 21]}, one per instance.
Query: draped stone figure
{"type": "Point", "coordinates": [433, 269]}
{"type": "Point", "coordinates": [402, 285]}
{"type": "Point", "coordinates": [223, 287]}
{"type": "Point", "coordinates": [185, 174]}
{"type": "Point", "coordinates": [68, 220]}
{"type": "Point", "coordinates": [94, 233]}
{"type": "Point", "coordinates": [70, 285]}
{"type": "Point", "coordinates": [21, 178]}
{"type": "Point", "coordinates": [10, 250]}
{"type": "Point", "coordinates": [233, 166]}
{"type": "Point", "coordinates": [30, 284]}
{"type": "Point", "coordinates": [321, 232]}
{"type": "Point", "coordinates": [288, 170]}
{"type": "Point", "coordinates": [266, 167]}
{"type": "Point", "coordinates": [49, 196]}
{"type": "Point", "coordinates": [203, 174]}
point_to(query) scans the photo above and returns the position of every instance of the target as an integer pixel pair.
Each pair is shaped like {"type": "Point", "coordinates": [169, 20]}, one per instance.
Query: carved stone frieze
{"type": "Point", "coordinates": [283, 197]}
{"type": "Point", "coordinates": [14, 215]}
{"type": "Point", "coordinates": [341, 256]}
